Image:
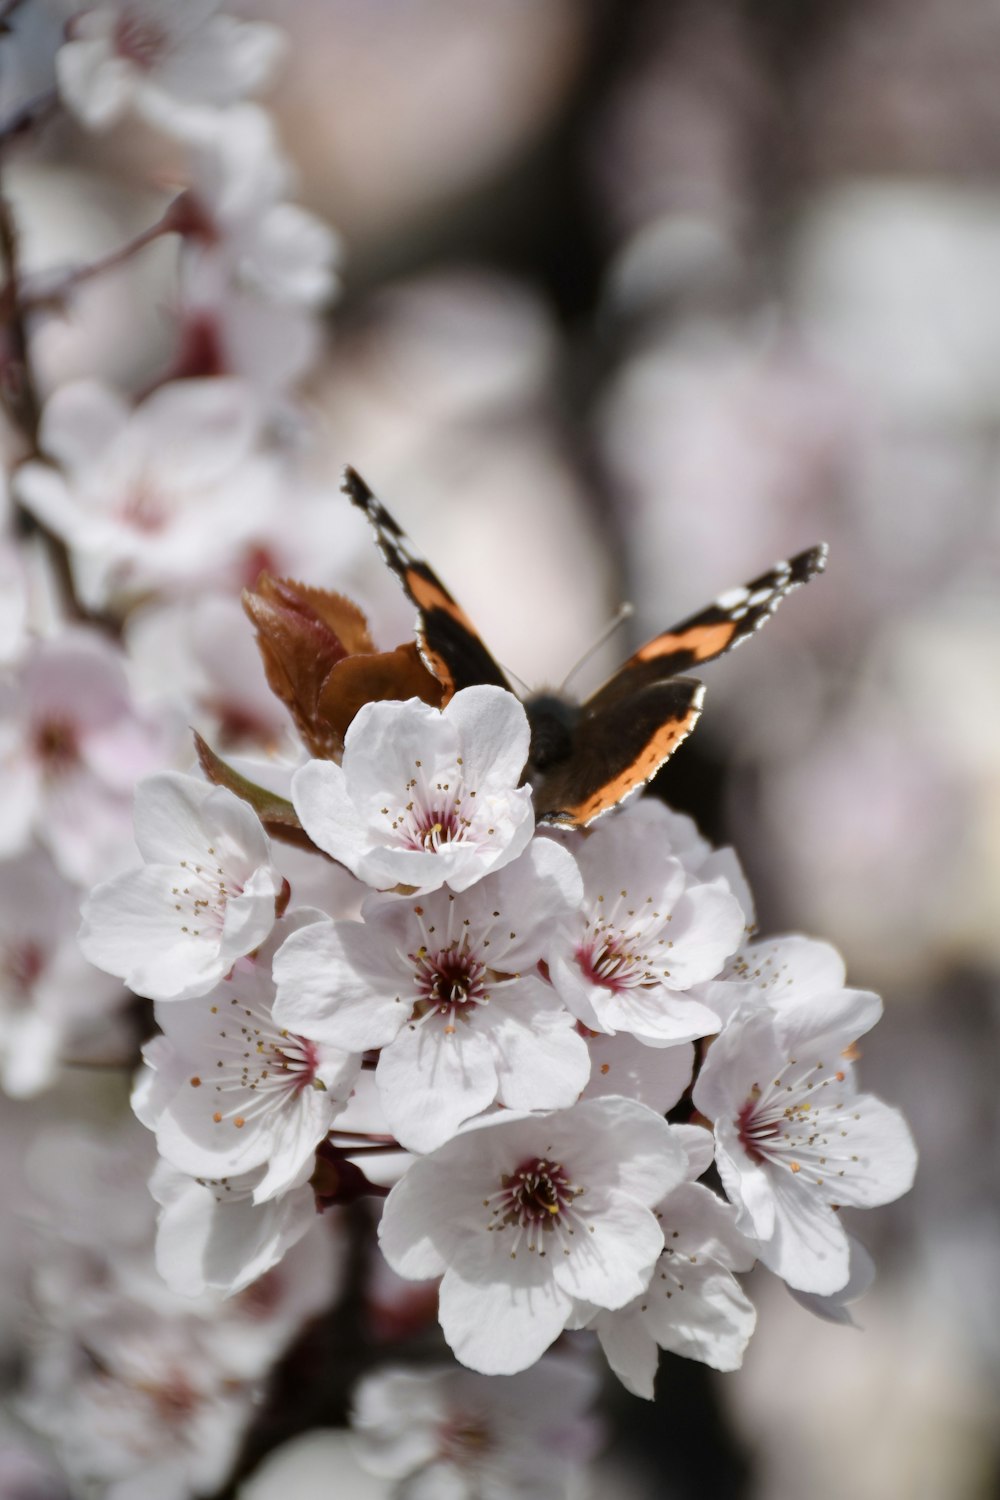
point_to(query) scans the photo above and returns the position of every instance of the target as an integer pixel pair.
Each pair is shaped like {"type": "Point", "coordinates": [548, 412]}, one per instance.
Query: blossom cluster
{"type": "Point", "coordinates": [530, 1004]}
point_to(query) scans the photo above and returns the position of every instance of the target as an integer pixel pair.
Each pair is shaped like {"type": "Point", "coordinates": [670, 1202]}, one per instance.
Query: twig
{"type": "Point", "coordinates": [32, 112]}
{"type": "Point", "coordinates": [7, 10]}
{"type": "Point", "coordinates": [54, 296]}
{"type": "Point", "coordinates": [18, 391]}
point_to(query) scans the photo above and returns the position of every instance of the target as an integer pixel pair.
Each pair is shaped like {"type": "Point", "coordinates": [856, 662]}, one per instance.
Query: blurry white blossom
{"type": "Point", "coordinates": [156, 498]}
{"type": "Point", "coordinates": [442, 1431]}
{"type": "Point", "coordinates": [166, 59]}
{"type": "Point", "coordinates": [72, 745]}
{"type": "Point", "coordinates": [48, 992]}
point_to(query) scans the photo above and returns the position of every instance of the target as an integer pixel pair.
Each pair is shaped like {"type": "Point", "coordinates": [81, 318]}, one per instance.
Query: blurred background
{"type": "Point", "coordinates": [637, 298]}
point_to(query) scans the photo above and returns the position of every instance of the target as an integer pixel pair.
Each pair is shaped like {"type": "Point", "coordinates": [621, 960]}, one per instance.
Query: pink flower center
{"type": "Point", "coordinates": [757, 1129]}
{"type": "Point", "coordinates": [448, 980]}
{"type": "Point", "coordinates": [465, 1439]}
{"type": "Point", "coordinates": [144, 509]}
{"type": "Point", "coordinates": [537, 1194]}
{"type": "Point", "coordinates": [298, 1058]}
{"type": "Point", "coordinates": [433, 827]}
{"type": "Point", "coordinates": [607, 963]}
{"type": "Point", "coordinates": [56, 745]}
{"type": "Point", "coordinates": [140, 40]}
{"type": "Point", "coordinates": [22, 965]}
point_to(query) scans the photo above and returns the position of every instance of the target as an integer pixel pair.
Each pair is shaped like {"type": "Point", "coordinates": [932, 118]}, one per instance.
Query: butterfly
{"type": "Point", "coordinates": [586, 757]}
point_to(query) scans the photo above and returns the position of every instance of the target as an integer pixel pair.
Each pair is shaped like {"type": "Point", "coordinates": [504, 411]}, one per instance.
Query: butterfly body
{"type": "Point", "coordinates": [585, 758]}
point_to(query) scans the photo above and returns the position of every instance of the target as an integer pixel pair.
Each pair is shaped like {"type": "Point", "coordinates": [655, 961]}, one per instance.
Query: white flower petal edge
{"type": "Point", "coordinates": [526, 1217]}
{"type": "Point", "coordinates": [424, 797]}
{"type": "Point", "coordinates": [205, 897]}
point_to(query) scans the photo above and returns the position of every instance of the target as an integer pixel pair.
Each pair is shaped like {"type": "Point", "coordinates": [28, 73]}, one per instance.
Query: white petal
{"type": "Point", "coordinates": [494, 734]}
{"type": "Point", "coordinates": [629, 1349]}
{"type": "Point", "coordinates": [431, 1080]}
{"type": "Point", "coordinates": [197, 431]}
{"type": "Point", "coordinates": [500, 1327]}
{"type": "Point", "coordinates": [80, 422]}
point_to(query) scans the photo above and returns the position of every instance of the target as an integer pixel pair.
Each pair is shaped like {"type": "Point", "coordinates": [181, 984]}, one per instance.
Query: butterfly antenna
{"type": "Point", "coordinates": [624, 612]}
{"type": "Point", "coordinates": [526, 689]}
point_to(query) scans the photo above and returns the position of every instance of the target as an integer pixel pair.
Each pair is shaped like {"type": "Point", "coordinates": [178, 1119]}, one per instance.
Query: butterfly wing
{"type": "Point", "coordinates": [449, 642]}
{"type": "Point", "coordinates": [635, 722]}
{"type": "Point", "coordinates": [616, 750]}
{"type": "Point", "coordinates": [726, 623]}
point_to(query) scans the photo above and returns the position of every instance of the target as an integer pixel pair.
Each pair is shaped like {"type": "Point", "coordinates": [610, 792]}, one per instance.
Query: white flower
{"type": "Point", "coordinates": [693, 1305]}
{"type": "Point", "coordinates": [206, 896]}
{"type": "Point", "coordinates": [165, 58]}
{"type": "Point", "coordinates": [196, 658]}
{"type": "Point", "coordinates": [210, 1235]}
{"type": "Point", "coordinates": [424, 797]}
{"type": "Point", "coordinates": [71, 747]}
{"type": "Point", "coordinates": [253, 242]}
{"type": "Point", "coordinates": [136, 1403]}
{"type": "Point", "coordinates": [470, 1437]}
{"type": "Point", "coordinates": [525, 1218]}
{"type": "Point", "coordinates": [159, 497]}
{"type": "Point", "coordinates": [448, 986]}
{"type": "Point", "coordinates": [647, 932]}
{"type": "Point", "coordinates": [47, 990]}
{"type": "Point", "coordinates": [794, 1138]}
{"type": "Point", "coordinates": [254, 268]}
{"type": "Point", "coordinates": [238, 1091]}
{"type": "Point", "coordinates": [776, 972]}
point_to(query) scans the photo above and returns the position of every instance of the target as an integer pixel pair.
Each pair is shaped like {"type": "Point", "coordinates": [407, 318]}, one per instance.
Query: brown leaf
{"type": "Point", "coordinates": [320, 661]}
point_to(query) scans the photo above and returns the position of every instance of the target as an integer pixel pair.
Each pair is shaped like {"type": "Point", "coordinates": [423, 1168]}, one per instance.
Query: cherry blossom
{"type": "Point", "coordinates": [142, 498]}
{"type": "Point", "coordinates": [647, 932]}
{"type": "Point", "coordinates": [163, 58]}
{"type": "Point", "coordinates": [794, 1138]}
{"type": "Point", "coordinates": [253, 239]}
{"type": "Point", "coordinates": [776, 972]}
{"type": "Point", "coordinates": [48, 992]}
{"type": "Point", "coordinates": [447, 1432]}
{"type": "Point", "coordinates": [238, 1091]}
{"type": "Point", "coordinates": [210, 1234]}
{"type": "Point", "coordinates": [205, 897]}
{"type": "Point", "coordinates": [448, 986]}
{"type": "Point", "coordinates": [525, 1218]}
{"type": "Point", "coordinates": [137, 1404]}
{"type": "Point", "coordinates": [196, 659]}
{"type": "Point", "coordinates": [693, 1305]}
{"type": "Point", "coordinates": [423, 796]}
{"type": "Point", "coordinates": [71, 747]}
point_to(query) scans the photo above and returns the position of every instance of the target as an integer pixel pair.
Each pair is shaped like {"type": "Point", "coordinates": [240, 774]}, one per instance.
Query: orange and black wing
{"type": "Point", "coordinates": [615, 751]}
{"type": "Point", "coordinates": [725, 624]}
{"type": "Point", "coordinates": [634, 723]}
{"type": "Point", "coordinates": [449, 642]}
